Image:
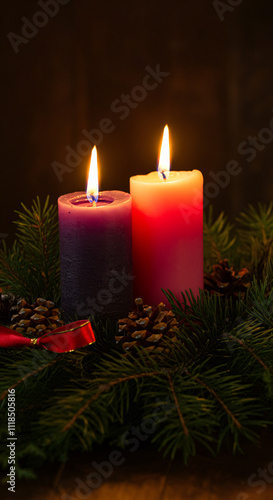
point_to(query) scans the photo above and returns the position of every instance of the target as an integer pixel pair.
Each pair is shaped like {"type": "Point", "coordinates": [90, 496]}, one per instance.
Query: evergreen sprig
{"type": "Point", "coordinates": [219, 240]}
{"type": "Point", "coordinates": [255, 233]}
{"type": "Point", "coordinates": [31, 268]}
{"type": "Point", "coordinates": [213, 389]}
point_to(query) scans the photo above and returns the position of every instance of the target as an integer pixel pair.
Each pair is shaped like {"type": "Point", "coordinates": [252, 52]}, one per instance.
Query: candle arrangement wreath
{"type": "Point", "coordinates": [197, 376]}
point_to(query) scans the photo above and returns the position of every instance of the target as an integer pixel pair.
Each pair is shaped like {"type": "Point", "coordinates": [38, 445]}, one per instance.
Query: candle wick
{"type": "Point", "coordinates": [163, 175]}
{"type": "Point", "coordinates": [94, 203]}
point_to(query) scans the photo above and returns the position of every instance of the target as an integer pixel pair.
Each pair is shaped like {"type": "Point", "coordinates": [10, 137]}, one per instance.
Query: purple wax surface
{"type": "Point", "coordinates": [96, 255]}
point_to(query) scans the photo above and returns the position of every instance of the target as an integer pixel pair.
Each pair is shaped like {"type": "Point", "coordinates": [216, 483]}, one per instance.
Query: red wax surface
{"type": "Point", "coordinates": [96, 254]}
{"type": "Point", "coordinates": [167, 223]}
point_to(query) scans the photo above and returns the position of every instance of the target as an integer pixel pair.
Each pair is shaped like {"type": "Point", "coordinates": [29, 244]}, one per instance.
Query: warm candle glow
{"type": "Point", "coordinates": [164, 158]}
{"type": "Point", "coordinates": [92, 190]}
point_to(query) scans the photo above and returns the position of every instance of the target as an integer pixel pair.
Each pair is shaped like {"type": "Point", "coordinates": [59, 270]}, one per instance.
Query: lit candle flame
{"type": "Point", "coordinates": [164, 158]}
{"type": "Point", "coordinates": [92, 190]}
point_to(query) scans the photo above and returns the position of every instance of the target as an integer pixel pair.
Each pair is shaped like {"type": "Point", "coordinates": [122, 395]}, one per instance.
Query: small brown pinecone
{"type": "Point", "coordinates": [7, 303]}
{"type": "Point", "coordinates": [226, 282]}
{"type": "Point", "coordinates": [147, 327]}
{"type": "Point", "coordinates": [33, 320]}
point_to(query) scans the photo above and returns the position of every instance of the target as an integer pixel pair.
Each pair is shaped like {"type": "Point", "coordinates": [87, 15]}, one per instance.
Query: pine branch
{"type": "Point", "coordinates": [218, 240]}
{"type": "Point", "coordinates": [212, 391]}
{"type": "Point", "coordinates": [213, 385]}
{"type": "Point", "coordinates": [251, 351]}
{"type": "Point", "coordinates": [104, 388]}
{"type": "Point", "coordinates": [255, 235]}
{"type": "Point", "coordinates": [181, 418]}
{"type": "Point", "coordinates": [13, 274]}
{"type": "Point", "coordinates": [256, 222]}
{"type": "Point", "coordinates": [31, 268]}
{"type": "Point", "coordinates": [24, 379]}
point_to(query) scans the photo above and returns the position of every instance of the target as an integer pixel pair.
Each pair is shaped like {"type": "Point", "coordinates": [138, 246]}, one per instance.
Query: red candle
{"type": "Point", "coordinates": [96, 251]}
{"type": "Point", "coordinates": [167, 225]}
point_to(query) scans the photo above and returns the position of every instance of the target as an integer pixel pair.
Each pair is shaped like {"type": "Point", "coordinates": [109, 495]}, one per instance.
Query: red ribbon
{"type": "Point", "coordinates": [64, 339]}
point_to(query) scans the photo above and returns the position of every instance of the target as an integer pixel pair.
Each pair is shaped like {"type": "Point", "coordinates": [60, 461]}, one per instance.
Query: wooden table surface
{"type": "Point", "coordinates": [144, 475]}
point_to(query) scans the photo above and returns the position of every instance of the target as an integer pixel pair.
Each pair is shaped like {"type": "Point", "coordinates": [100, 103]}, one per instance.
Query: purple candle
{"type": "Point", "coordinates": [96, 253]}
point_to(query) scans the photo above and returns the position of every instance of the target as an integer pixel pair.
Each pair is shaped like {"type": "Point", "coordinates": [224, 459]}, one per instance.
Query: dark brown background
{"type": "Point", "coordinates": [65, 79]}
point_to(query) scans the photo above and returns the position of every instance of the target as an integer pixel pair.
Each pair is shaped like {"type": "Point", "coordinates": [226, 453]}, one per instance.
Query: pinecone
{"type": "Point", "coordinates": [226, 282]}
{"type": "Point", "coordinates": [7, 301]}
{"type": "Point", "coordinates": [147, 327]}
{"type": "Point", "coordinates": [36, 319]}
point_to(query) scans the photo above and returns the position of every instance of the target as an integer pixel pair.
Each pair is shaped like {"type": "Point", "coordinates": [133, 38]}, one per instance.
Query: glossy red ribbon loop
{"type": "Point", "coordinates": [64, 339]}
